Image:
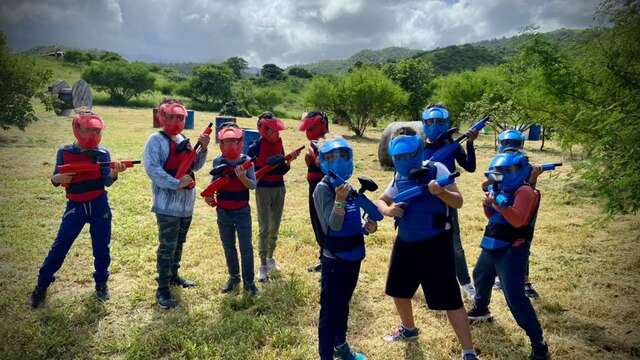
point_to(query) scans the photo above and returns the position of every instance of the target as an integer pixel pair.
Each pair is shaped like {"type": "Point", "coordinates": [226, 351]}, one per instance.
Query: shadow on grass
{"type": "Point", "coordinates": [234, 326]}
{"type": "Point", "coordinates": [361, 140]}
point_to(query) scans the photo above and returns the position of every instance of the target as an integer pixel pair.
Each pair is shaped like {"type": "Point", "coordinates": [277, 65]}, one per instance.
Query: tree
{"type": "Point", "coordinates": [366, 95]}
{"type": "Point", "coordinates": [75, 57]}
{"type": "Point", "coordinates": [211, 85]}
{"type": "Point", "coordinates": [122, 80]}
{"type": "Point", "coordinates": [300, 72]}
{"type": "Point", "coordinates": [237, 65]}
{"type": "Point", "coordinates": [243, 94]}
{"type": "Point", "coordinates": [267, 99]}
{"type": "Point", "coordinates": [272, 72]}
{"type": "Point", "coordinates": [414, 76]}
{"type": "Point", "coordinates": [21, 81]}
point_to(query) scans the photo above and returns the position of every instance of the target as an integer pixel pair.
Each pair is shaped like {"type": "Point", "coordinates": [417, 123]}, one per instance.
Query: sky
{"type": "Point", "coordinates": [283, 32]}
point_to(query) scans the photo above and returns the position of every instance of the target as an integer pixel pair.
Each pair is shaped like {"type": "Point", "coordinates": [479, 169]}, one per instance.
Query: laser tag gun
{"type": "Point", "coordinates": [550, 166]}
{"type": "Point", "coordinates": [223, 180]}
{"type": "Point", "coordinates": [186, 164]}
{"type": "Point", "coordinates": [81, 167]}
{"type": "Point", "coordinates": [360, 198]}
{"type": "Point", "coordinates": [445, 152]}
{"type": "Point", "coordinates": [275, 161]}
{"type": "Point", "coordinates": [495, 181]}
{"type": "Point", "coordinates": [421, 189]}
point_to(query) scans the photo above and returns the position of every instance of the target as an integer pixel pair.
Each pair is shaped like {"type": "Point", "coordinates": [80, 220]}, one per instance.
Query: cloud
{"type": "Point", "coordinates": [279, 31]}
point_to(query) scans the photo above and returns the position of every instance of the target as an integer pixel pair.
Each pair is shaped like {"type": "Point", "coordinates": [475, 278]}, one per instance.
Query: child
{"type": "Point", "coordinates": [343, 249]}
{"type": "Point", "coordinates": [505, 245]}
{"type": "Point", "coordinates": [315, 124]}
{"type": "Point", "coordinates": [87, 203]}
{"type": "Point", "coordinates": [270, 190]}
{"type": "Point", "coordinates": [173, 199]}
{"type": "Point", "coordinates": [423, 251]}
{"type": "Point", "coordinates": [436, 122]}
{"type": "Point", "coordinates": [234, 214]}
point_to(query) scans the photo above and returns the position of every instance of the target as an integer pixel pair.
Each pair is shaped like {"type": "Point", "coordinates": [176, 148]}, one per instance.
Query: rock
{"type": "Point", "coordinates": [383, 154]}
{"type": "Point", "coordinates": [81, 95]}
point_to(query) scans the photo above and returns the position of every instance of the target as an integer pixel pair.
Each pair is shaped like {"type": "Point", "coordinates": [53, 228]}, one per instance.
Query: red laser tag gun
{"type": "Point", "coordinates": [186, 164]}
{"type": "Point", "coordinates": [88, 166]}
{"type": "Point", "coordinates": [276, 161]}
{"type": "Point", "coordinates": [217, 184]}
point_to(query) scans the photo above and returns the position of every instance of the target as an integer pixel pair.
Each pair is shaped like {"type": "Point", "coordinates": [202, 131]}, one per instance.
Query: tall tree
{"type": "Point", "coordinates": [122, 80]}
{"type": "Point", "coordinates": [237, 65]}
{"type": "Point", "coordinates": [211, 85]}
{"type": "Point", "coordinates": [414, 76]}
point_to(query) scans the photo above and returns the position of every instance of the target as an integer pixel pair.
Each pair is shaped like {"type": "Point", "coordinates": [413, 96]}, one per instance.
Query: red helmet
{"type": "Point", "coordinates": [231, 149]}
{"type": "Point", "coordinates": [315, 124]}
{"type": "Point", "coordinates": [172, 107]}
{"type": "Point", "coordinates": [267, 120]}
{"type": "Point", "coordinates": [83, 121]}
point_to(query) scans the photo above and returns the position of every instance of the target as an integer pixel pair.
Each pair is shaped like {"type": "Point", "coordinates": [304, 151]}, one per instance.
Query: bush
{"type": "Point", "coordinates": [300, 72]}
{"type": "Point", "coordinates": [267, 99]}
{"type": "Point", "coordinates": [211, 85]}
{"type": "Point", "coordinates": [120, 79]}
{"type": "Point", "coordinates": [272, 72]}
{"type": "Point", "coordinates": [167, 89]}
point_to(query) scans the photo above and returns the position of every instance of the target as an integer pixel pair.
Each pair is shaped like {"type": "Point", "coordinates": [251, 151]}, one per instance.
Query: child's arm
{"type": "Point", "coordinates": [56, 178]}
{"type": "Point", "coordinates": [487, 204]}
{"type": "Point", "coordinates": [153, 160]}
{"type": "Point", "coordinates": [449, 194]}
{"type": "Point", "coordinates": [109, 176]}
{"type": "Point", "coordinates": [536, 170]}
{"type": "Point", "coordinates": [201, 157]}
{"type": "Point", "coordinates": [466, 159]}
{"type": "Point", "coordinates": [330, 209]}
{"type": "Point", "coordinates": [246, 177]}
{"type": "Point", "coordinates": [524, 204]}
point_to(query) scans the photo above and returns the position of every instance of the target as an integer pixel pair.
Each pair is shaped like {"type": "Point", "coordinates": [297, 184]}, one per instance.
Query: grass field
{"type": "Point", "coordinates": [586, 270]}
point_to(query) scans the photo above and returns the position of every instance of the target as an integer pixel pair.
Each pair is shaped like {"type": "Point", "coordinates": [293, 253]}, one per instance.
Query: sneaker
{"type": "Point", "coordinates": [470, 357]}
{"type": "Point", "coordinates": [231, 284]}
{"type": "Point", "coordinates": [540, 352]}
{"type": "Point", "coordinates": [37, 297]}
{"type": "Point", "coordinates": [182, 282]}
{"type": "Point", "coordinates": [497, 285]}
{"type": "Point", "coordinates": [102, 292]}
{"type": "Point", "coordinates": [251, 289]}
{"type": "Point", "coordinates": [402, 334]}
{"type": "Point", "coordinates": [165, 301]}
{"type": "Point", "coordinates": [469, 291]}
{"type": "Point", "coordinates": [476, 316]}
{"type": "Point", "coordinates": [530, 291]}
{"type": "Point", "coordinates": [272, 265]}
{"type": "Point", "coordinates": [262, 273]}
{"type": "Point", "coordinates": [344, 352]}
{"type": "Point", "coordinates": [315, 268]}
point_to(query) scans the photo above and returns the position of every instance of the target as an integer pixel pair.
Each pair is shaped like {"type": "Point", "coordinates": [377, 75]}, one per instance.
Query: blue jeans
{"type": "Point", "coordinates": [462, 272]}
{"type": "Point", "coordinates": [231, 222]}
{"type": "Point", "coordinates": [98, 214]}
{"type": "Point", "coordinates": [338, 281]}
{"type": "Point", "coordinates": [510, 265]}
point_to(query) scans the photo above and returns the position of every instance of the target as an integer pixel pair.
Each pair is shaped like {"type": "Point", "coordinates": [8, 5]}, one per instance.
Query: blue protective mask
{"type": "Point", "coordinates": [436, 129]}
{"type": "Point", "coordinates": [407, 162]}
{"type": "Point", "coordinates": [342, 167]}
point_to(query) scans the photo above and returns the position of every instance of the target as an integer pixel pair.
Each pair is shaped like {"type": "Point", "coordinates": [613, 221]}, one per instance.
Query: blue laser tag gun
{"type": "Point", "coordinates": [421, 189]}
{"type": "Point", "coordinates": [366, 184]}
{"type": "Point", "coordinates": [550, 166]}
{"type": "Point", "coordinates": [445, 152]}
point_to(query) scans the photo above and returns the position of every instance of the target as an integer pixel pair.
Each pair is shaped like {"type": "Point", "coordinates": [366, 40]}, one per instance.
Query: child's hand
{"type": "Point", "coordinates": [62, 178]}
{"type": "Point", "coordinates": [370, 226]}
{"type": "Point", "coordinates": [210, 200]}
{"type": "Point", "coordinates": [240, 171]}
{"type": "Point", "coordinates": [434, 188]}
{"type": "Point", "coordinates": [472, 135]}
{"type": "Point", "coordinates": [395, 210]}
{"type": "Point", "coordinates": [342, 192]}
{"type": "Point", "coordinates": [118, 168]}
{"type": "Point", "coordinates": [536, 170]}
{"type": "Point", "coordinates": [185, 181]}
{"type": "Point", "coordinates": [295, 155]}
{"type": "Point", "coordinates": [204, 141]}
{"type": "Point", "coordinates": [489, 200]}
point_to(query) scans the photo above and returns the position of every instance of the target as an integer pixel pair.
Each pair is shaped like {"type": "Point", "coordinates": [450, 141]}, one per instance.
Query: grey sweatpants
{"type": "Point", "coordinates": [270, 203]}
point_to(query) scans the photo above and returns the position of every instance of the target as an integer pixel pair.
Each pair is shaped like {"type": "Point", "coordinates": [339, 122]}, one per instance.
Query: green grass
{"type": "Point", "coordinates": [586, 270]}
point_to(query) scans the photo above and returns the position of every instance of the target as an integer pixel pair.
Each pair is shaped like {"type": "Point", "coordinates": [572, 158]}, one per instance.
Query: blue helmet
{"type": "Point", "coordinates": [336, 155]}
{"type": "Point", "coordinates": [435, 122]}
{"type": "Point", "coordinates": [510, 139]}
{"type": "Point", "coordinates": [406, 152]}
{"type": "Point", "coordinates": [511, 170]}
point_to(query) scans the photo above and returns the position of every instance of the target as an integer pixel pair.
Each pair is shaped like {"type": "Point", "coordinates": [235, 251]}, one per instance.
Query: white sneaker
{"type": "Point", "coordinates": [271, 265]}
{"type": "Point", "coordinates": [262, 273]}
{"type": "Point", "coordinates": [469, 290]}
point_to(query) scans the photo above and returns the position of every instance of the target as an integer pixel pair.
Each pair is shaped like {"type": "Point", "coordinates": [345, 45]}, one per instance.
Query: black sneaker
{"type": "Point", "coordinates": [470, 356]}
{"type": "Point", "coordinates": [315, 268]}
{"type": "Point", "coordinates": [165, 301]}
{"type": "Point", "coordinates": [182, 282]}
{"type": "Point", "coordinates": [37, 297]}
{"type": "Point", "coordinates": [102, 292]}
{"type": "Point", "coordinates": [476, 315]}
{"type": "Point", "coordinates": [530, 291]}
{"type": "Point", "coordinates": [540, 352]}
{"type": "Point", "coordinates": [402, 334]}
{"type": "Point", "coordinates": [230, 285]}
{"type": "Point", "coordinates": [251, 289]}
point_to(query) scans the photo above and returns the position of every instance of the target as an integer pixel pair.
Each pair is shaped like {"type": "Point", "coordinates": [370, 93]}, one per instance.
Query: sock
{"type": "Point", "coordinates": [408, 328]}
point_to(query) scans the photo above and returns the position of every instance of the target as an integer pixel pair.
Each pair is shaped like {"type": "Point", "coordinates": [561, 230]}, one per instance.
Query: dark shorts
{"type": "Point", "coordinates": [429, 263]}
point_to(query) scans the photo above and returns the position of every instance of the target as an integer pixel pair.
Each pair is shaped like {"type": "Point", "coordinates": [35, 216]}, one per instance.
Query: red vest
{"type": "Point", "coordinates": [84, 186]}
{"type": "Point", "coordinates": [178, 154]}
{"type": "Point", "coordinates": [266, 150]}
{"type": "Point", "coordinates": [314, 174]}
{"type": "Point", "coordinates": [234, 195]}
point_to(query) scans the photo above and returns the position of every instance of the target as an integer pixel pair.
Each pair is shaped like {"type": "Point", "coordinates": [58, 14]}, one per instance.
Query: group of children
{"type": "Point", "coordinates": [427, 250]}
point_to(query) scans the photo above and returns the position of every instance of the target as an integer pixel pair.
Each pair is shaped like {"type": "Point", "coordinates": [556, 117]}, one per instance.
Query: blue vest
{"type": "Point", "coordinates": [499, 234]}
{"type": "Point", "coordinates": [430, 149]}
{"type": "Point", "coordinates": [348, 242]}
{"type": "Point", "coordinates": [424, 216]}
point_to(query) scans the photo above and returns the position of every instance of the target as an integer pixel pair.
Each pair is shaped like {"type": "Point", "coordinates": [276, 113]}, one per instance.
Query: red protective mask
{"type": "Point", "coordinates": [87, 129]}
{"type": "Point", "coordinates": [172, 118]}
{"type": "Point", "coordinates": [229, 150]}
{"type": "Point", "coordinates": [270, 129]}
{"type": "Point", "coordinates": [314, 127]}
